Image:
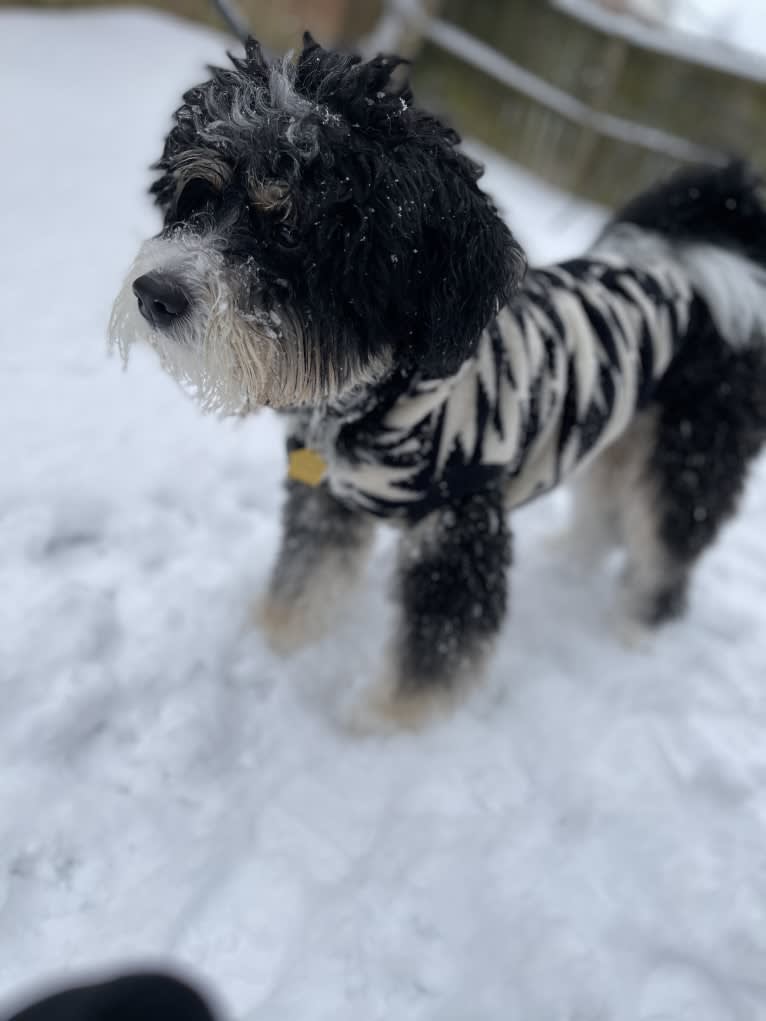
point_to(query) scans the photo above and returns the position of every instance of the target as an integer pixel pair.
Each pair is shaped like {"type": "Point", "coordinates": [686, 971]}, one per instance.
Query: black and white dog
{"type": "Point", "coordinates": [327, 250]}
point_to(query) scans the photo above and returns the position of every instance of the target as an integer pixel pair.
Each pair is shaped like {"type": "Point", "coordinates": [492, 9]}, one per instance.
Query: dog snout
{"type": "Point", "coordinates": [161, 299]}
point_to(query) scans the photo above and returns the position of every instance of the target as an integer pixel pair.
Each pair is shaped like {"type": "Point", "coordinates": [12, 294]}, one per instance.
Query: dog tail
{"type": "Point", "coordinates": [715, 219]}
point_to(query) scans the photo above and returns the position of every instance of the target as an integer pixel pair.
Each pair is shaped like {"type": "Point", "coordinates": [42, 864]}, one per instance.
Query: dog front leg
{"type": "Point", "coordinates": [321, 557]}
{"type": "Point", "coordinates": [451, 588]}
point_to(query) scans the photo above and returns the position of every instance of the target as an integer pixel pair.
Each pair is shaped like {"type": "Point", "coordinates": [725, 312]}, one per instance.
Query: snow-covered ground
{"type": "Point", "coordinates": [585, 841]}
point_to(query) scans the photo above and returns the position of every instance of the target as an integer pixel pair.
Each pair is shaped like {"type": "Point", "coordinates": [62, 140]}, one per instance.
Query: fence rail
{"type": "Point", "coordinates": [598, 113]}
{"type": "Point", "coordinates": [488, 60]}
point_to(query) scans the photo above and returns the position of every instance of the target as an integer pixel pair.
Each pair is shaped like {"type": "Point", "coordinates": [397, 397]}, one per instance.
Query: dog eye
{"type": "Point", "coordinates": [195, 197]}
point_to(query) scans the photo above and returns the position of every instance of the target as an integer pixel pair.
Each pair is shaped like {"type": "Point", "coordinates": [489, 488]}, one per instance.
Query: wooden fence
{"type": "Point", "coordinates": [586, 99]}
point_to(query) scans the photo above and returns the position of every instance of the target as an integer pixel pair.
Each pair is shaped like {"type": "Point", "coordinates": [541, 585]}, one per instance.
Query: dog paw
{"type": "Point", "coordinates": [631, 632]}
{"type": "Point", "coordinates": [285, 626]}
{"type": "Point", "coordinates": [644, 609]}
{"type": "Point", "coordinates": [386, 709]}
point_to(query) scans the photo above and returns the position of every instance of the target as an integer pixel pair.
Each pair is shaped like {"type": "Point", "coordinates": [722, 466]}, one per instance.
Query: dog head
{"type": "Point", "coordinates": [319, 231]}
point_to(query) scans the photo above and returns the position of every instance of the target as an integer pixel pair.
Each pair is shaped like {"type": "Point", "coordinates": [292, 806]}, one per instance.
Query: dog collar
{"type": "Point", "coordinates": [307, 466]}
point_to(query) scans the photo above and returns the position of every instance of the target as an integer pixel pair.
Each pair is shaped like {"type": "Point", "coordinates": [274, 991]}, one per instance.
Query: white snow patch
{"type": "Point", "coordinates": [729, 35]}
{"type": "Point", "coordinates": [736, 24]}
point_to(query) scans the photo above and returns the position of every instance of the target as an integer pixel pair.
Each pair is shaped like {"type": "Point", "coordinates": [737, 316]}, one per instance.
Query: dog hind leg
{"type": "Point", "coordinates": [592, 529]}
{"type": "Point", "coordinates": [690, 455]}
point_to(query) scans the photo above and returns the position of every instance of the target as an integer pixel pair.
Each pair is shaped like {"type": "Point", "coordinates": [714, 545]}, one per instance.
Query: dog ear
{"type": "Point", "coordinates": [451, 259]}
{"type": "Point", "coordinates": [468, 263]}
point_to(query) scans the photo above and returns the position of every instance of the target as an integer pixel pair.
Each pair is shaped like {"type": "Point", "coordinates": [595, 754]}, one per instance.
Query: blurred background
{"type": "Point", "coordinates": [597, 97]}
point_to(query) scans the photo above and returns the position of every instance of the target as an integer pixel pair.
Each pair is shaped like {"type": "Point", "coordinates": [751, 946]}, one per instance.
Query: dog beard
{"type": "Point", "coordinates": [229, 358]}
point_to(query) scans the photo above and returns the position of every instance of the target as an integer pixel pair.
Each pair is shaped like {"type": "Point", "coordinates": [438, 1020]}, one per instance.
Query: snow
{"type": "Point", "coordinates": [729, 35]}
{"type": "Point", "coordinates": [740, 24]}
{"type": "Point", "coordinates": [586, 839]}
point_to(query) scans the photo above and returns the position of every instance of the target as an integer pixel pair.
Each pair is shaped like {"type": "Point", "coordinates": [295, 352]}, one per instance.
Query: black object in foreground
{"type": "Point", "coordinates": [139, 997]}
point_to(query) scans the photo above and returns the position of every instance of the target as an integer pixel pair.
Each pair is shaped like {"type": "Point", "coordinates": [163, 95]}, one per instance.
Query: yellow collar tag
{"type": "Point", "coordinates": [307, 466]}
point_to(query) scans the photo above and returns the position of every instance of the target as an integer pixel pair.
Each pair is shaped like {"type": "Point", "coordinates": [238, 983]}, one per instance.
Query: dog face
{"type": "Point", "coordinates": [319, 232]}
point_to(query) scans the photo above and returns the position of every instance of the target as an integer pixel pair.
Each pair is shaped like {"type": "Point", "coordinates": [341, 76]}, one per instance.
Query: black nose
{"type": "Point", "coordinates": [161, 299]}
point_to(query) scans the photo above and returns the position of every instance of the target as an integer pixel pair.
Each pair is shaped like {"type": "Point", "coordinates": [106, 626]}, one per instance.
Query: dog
{"type": "Point", "coordinates": [327, 251]}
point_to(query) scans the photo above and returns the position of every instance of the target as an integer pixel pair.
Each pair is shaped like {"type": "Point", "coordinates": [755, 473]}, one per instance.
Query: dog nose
{"type": "Point", "coordinates": [161, 299]}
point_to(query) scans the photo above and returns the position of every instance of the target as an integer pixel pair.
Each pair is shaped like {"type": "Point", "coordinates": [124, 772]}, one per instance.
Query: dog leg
{"type": "Point", "coordinates": [322, 555]}
{"type": "Point", "coordinates": [655, 578]}
{"type": "Point", "coordinates": [625, 496]}
{"type": "Point", "coordinates": [688, 458]}
{"type": "Point", "coordinates": [451, 587]}
{"type": "Point", "coordinates": [592, 530]}
{"type": "Point", "coordinates": [711, 423]}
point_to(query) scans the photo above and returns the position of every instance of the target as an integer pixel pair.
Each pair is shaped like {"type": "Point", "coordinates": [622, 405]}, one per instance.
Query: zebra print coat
{"type": "Point", "coordinates": [556, 377]}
